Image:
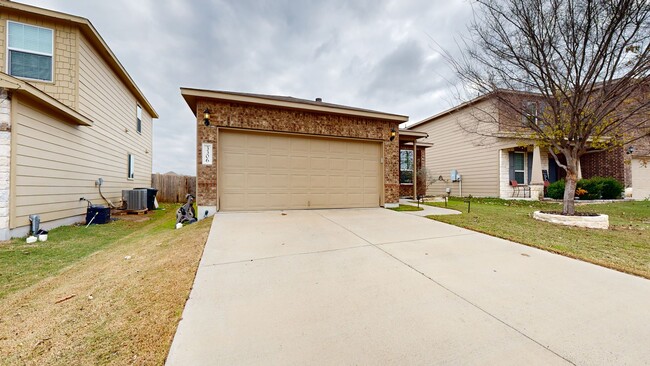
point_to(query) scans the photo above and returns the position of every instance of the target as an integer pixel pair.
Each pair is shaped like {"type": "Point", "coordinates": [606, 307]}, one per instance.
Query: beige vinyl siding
{"type": "Point", "coordinates": [107, 101]}
{"type": "Point", "coordinates": [475, 157]}
{"type": "Point", "coordinates": [56, 162]}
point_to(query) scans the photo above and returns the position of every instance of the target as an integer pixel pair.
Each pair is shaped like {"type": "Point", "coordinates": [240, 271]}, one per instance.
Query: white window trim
{"type": "Point", "coordinates": [523, 153]}
{"type": "Point", "coordinates": [130, 167]}
{"type": "Point", "coordinates": [27, 51]}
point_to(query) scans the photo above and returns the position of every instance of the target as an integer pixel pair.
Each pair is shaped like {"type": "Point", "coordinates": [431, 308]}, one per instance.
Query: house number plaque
{"type": "Point", "coordinates": [206, 154]}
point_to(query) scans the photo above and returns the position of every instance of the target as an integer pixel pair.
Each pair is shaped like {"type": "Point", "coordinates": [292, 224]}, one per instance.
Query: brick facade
{"type": "Point", "coordinates": [604, 164]}
{"type": "Point", "coordinates": [267, 118]}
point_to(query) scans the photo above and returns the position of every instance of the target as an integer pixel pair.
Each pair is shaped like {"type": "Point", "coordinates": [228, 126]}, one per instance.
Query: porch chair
{"type": "Point", "coordinates": [516, 188]}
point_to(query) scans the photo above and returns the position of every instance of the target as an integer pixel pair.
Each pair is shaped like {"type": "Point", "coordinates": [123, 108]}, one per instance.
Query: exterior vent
{"type": "Point", "coordinates": [319, 99]}
{"type": "Point", "coordinates": [135, 199]}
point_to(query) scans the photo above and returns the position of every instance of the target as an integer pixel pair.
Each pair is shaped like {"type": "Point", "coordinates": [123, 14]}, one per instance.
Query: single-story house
{"type": "Point", "coordinates": [265, 152]}
{"type": "Point", "coordinates": [488, 162]}
{"type": "Point", "coordinates": [69, 115]}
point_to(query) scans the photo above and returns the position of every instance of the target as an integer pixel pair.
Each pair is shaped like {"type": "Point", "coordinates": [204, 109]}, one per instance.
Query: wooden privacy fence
{"type": "Point", "coordinates": [172, 187]}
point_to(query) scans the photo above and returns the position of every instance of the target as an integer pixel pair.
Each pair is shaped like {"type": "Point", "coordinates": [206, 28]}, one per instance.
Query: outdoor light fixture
{"type": "Point", "coordinates": [393, 133]}
{"type": "Point", "coordinates": [206, 117]}
{"type": "Point", "coordinates": [630, 150]}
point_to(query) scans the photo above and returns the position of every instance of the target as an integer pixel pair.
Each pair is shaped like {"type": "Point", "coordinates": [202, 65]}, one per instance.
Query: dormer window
{"type": "Point", "coordinates": [30, 51]}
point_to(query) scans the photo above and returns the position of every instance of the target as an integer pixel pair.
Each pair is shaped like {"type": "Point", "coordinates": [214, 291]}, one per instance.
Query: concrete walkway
{"type": "Point", "coordinates": [377, 287]}
{"type": "Point", "coordinates": [427, 210]}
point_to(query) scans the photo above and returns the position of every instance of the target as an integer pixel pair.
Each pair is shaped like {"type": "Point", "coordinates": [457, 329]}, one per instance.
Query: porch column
{"type": "Point", "coordinates": [415, 170]}
{"type": "Point", "coordinates": [536, 178]}
{"type": "Point", "coordinates": [579, 170]}
{"type": "Point", "coordinates": [536, 169]}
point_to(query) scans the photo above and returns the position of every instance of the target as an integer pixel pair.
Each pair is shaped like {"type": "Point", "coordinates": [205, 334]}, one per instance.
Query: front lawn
{"type": "Point", "coordinates": [406, 208]}
{"type": "Point", "coordinates": [625, 246]}
{"type": "Point", "coordinates": [107, 294]}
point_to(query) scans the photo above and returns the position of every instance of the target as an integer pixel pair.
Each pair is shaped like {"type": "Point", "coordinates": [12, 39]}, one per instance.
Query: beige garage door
{"type": "Point", "coordinates": [266, 171]}
{"type": "Point", "coordinates": [641, 178]}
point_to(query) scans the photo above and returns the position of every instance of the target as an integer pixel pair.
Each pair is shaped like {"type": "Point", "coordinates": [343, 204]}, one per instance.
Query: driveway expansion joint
{"type": "Point", "coordinates": [284, 256]}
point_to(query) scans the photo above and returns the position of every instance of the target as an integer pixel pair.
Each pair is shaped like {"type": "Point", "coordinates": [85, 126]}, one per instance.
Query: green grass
{"type": "Point", "coordinates": [406, 208]}
{"type": "Point", "coordinates": [22, 264]}
{"type": "Point", "coordinates": [625, 246]}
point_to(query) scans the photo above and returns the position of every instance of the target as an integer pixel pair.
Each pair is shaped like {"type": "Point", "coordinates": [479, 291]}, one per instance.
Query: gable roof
{"type": "Point", "coordinates": [190, 95]}
{"type": "Point", "coordinates": [48, 102]}
{"type": "Point", "coordinates": [469, 103]}
{"type": "Point", "coordinates": [97, 41]}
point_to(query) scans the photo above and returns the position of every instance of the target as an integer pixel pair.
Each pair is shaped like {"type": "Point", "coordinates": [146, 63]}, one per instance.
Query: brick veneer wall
{"type": "Point", "coordinates": [265, 118]}
{"type": "Point", "coordinates": [604, 164]}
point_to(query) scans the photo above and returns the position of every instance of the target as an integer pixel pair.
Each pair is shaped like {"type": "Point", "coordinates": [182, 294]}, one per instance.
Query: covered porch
{"type": "Point", "coordinates": [526, 170]}
{"type": "Point", "coordinates": [412, 163]}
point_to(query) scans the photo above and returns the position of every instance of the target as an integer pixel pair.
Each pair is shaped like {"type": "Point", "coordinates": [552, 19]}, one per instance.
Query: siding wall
{"type": "Point", "coordinates": [57, 163]}
{"type": "Point", "coordinates": [475, 157]}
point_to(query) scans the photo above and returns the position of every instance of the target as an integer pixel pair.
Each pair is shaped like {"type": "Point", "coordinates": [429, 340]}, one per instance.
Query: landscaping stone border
{"type": "Point", "coordinates": [592, 222]}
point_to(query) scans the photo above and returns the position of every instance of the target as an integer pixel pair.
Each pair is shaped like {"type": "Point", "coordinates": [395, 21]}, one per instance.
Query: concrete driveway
{"type": "Point", "coordinates": [373, 286]}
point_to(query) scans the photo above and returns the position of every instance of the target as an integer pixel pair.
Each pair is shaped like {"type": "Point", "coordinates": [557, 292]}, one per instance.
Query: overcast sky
{"type": "Point", "coordinates": [375, 54]}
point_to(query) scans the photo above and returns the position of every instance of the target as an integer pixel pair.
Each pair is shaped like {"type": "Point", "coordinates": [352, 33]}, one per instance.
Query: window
{"type": "Point", "coordinates": [519, 165]}
{"type": "Point", "coordinates": [30, 51]}
{"type": "Point", "coordinates": [138, 116]}
{"type": "Point", "coordinates": [530, 114]}
{"type": "Point", "coordinates": [131, 171]}
{"type": "Point", "coordinates": [406, 166]}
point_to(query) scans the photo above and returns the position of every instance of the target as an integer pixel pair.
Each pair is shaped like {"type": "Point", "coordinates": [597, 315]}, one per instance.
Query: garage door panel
{"type": "Point", "coordinates": [300, 181]}
{"type": "Point", "coordinates": [354, 165]}
{"type": "Point", "coordinates": [233, 159]}
{"type": "Point", "coordinates": [233, 179]}
{"type": "Point", "coordinates": [254, 160]}
{"type": "Point", "coordinates": [319, 163]}
{"type": "Point", "coordinates": [337, 164]}
{"type": "Point", "coordinates": [262, 171]}
{"type": "Point", "coordinates": [299, 163]}
{"type": "Point", "coordinates": [337, 182]}
{"type": "Point", "coordinates": [355, 182]}
{"type": "Point", "coordinates": [299, 147]}
{"type": "Point", "coordinates": [279, 162]}
{"type": "Point", "coordinates": [279, 181]}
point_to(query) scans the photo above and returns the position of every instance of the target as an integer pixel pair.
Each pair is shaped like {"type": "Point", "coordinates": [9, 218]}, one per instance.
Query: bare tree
{"type": "Point", "coordinates": [427, 178]}
{"type": "Point", "coordinates": [586, 61]}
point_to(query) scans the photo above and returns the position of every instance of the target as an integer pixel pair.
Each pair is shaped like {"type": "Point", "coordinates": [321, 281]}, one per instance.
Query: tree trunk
{"type": "Point", "coordinates": [568, 205]}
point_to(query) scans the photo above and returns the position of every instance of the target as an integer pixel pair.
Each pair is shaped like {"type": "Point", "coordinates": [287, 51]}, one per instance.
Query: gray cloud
{"type": "Point", "coordinates": [372, 54]}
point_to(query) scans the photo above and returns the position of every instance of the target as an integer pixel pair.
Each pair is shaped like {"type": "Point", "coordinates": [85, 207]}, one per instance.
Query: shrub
{"type": "Point", "coordinates": [610, 188]}
{"type": "Point", "coordinates": [589, 189]}
{"type": "Point", "coordinates": [556, 190]}
{"type": "Point", "coordinates": [592, 186]}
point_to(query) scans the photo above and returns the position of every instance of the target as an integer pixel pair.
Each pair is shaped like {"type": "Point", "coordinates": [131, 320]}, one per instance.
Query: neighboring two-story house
{"type": "Point", "coordinates": [471, 140]}
{"type": "Point", "coordinates": [69, 115]}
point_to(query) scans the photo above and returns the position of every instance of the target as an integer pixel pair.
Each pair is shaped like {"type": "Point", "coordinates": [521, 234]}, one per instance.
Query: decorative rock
{"type": "Point", "coordinates": [591, 222]}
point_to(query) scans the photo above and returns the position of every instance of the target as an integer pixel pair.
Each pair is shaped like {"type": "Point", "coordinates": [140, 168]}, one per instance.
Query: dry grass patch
{"type": "Point", "coordinates": [124, 311]}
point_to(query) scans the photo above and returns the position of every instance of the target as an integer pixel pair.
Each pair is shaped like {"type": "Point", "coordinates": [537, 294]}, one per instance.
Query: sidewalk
{"type": "Point", "coordinates": [427, 210]}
